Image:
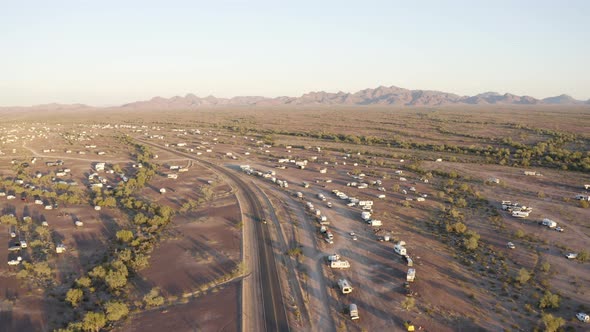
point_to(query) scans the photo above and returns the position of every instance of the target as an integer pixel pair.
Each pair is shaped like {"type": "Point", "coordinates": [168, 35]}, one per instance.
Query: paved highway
{"type": "Point", "coordinates": [275, 316]}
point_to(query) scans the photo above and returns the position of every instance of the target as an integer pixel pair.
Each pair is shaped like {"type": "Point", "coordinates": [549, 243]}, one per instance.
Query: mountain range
{"type": "Point", "coordinates": [392, 96]}
{"type": "Point", "coordinates": [379, 96]}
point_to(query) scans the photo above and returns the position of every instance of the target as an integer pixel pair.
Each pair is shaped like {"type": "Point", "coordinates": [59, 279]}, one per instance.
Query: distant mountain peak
{"type": "Point", "coordinates": [381, 95]}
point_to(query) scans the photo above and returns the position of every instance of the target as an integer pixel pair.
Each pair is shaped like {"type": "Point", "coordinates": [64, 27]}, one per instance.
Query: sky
{"type": "Point", "coordinates": [111, 52]}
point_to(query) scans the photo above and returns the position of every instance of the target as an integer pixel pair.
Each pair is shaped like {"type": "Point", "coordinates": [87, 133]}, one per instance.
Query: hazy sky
{"type": "Point", "coordinates": [110, 52]}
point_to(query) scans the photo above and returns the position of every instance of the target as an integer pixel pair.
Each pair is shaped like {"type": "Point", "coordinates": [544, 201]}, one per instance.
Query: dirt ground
{"type": "Point", "coordinates": [201, 314]}
{"type": "Point", "coordinates": [455, 291]}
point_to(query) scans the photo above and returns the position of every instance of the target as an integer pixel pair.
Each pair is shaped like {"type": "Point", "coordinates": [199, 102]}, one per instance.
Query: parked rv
{"type": "Point", "coordinates": [375, 222]}
{"type": "Point", "coordinates": [344, 286]}
{"type": "Point", "coordinates": [549, 223]}
{"type": "Point", "coordinates": [340, 264]}
{"type": "Point", "coordinates": [354, 312]}
{"type": "Point", "coordinates": [400, 249]}
{"type": "Point", "coordinates": [411, 275]}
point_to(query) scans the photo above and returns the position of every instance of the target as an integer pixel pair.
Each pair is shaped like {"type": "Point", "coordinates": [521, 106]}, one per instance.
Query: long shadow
{"type": "Point", "coordinates": [10, 323]}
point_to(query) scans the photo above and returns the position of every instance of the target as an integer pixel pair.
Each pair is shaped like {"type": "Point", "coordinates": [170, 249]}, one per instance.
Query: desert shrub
{"type": "Point", "coordinates": [545, 267]}
{"type": "Point", "coordinates": [294, 252]}
{"type": "Point", "coordinates": [140, 261]}
{"type": "Point", "coordinates": [124, 235]}
{"type": "Point", "coordinates": [116, 310]}
{"type": "Point", "coordinates": [84, 282]}
{"type": "Point", "coordinates": [549, 300]}
{"type": "Point", "coordinates": [153, 298]}
{"type": "Point", "coordinates": [74, 296]}
{"type": "Point", "coordinates": [461, 203]}
{"type": "Point", "coordinates": [116, 279]}
{"type": "Point", "coordinates": [523, 276]}
{"type": "Point", "coordinates": [459, 227]}
{"type": "Point", "coordinates": [584, 204]}
{"type": "Point", "coordinates": [552, 323]}
{"type": "Point", "coordinates": [471, 242]}
{"type": "Point", "coordinates": [94, 321]}
{"type": "Point", "coordinates": [98, 272]}
{"type": "Point", "coordinates": [582, 256]}
{"type": "Point", "coordinates": [8, 219]}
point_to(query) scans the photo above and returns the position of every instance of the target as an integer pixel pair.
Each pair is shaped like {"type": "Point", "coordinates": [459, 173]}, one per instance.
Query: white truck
{"type": "Point", "coordinates": [344, 286]}
{"type": "Point", "coordinates": [411, 275]}
{"type": "Point", "coordinates": [549, 223]}
{"type": "Point", "coordinates": [340, 264]}
{"type": "Point", "coordinates": [354, 311]}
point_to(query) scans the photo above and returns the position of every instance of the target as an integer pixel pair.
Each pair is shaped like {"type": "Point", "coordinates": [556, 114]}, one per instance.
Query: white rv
{"type": "Point", "coordinates": [338, 264]}
{"type": "Point", "coordinates": [344, 286]}
{"type": "Point", "coordinates": [354, 312]}
{"type": "Point", "coordinates": [400, 249]}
